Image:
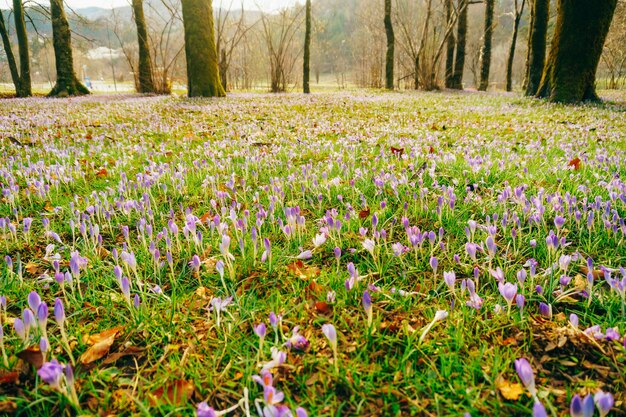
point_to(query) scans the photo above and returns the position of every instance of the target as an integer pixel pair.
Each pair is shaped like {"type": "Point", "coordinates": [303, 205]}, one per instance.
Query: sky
{"type": "Point", "coordinates": [267, 5]}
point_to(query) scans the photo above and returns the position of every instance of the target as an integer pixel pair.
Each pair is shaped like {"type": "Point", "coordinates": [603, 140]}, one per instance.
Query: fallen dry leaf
{"type": "Point", "coordinates": [101, 343]}
{"type": "Point", "coordinates": [177, 392]}
{"type": "Point", "coordinates": [302, 271]}
{"type": "Point", "coordinates": [323, 307]}
{"type": "Point", "coordinates": [32, 268]}
{"type": "Point", "coordinates": [9, 378]}
{"type": "Point", "coordinates": [8, 407]}
{"type": "Point", "coordinates": [509, 390]}
{"type": "Point", "coordinates": [32, 355]}
{"type": "Point", "coordinates": [575, 163]}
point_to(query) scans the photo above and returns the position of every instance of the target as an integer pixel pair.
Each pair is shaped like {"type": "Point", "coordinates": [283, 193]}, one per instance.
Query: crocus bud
{"type": "Point", "coordinates": [526, 375]}
{"type": "Point", "coordinates": [274, 320]}
{"type": "Point", "coordinates": [539, 410]}
{"type": "Point", "coordinates": [331, 334]}
{"type": "Point", "coordinates": [44, 345]}
{"type": "Point", "coordinates": [34, 300]}
{"type": "Point", "coordinates": [59, 311]}
{"type": "Point", "coordinates": [260, 330]}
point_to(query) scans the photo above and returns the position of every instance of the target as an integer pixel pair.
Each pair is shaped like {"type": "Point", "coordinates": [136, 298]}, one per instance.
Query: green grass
{"type": "Point", "coordinates": [179, 154]}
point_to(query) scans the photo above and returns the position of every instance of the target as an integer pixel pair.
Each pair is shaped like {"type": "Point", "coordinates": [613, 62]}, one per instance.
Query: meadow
{"type": "Point", "coordinates": [339, 254]}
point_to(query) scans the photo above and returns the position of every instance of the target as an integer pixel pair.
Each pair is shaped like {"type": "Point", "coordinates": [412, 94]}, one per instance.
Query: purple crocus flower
{"type": "Point", "coordinates": [331, 334]}
{"type": "Point", "coordinates": [51, 373]}
{"type": "Point", "coordinates": [539, 410]}
{"type": "Point", "coordinates": [434, 264]}
{"type": "Point", "coordinates": [581, 408]}
{"type": "Point", "coordinates": [450, 279]}
{"type": "Point", "coordinates": [337, 252]}
{"type": "Point", "coordinates": [203, 410]}
{"type": "Point", "coordinates": [297, 341]}
{"type": "Point", "coordinates": [136, 301]}
{"type": "Point", "coordinates": [59, 312]}
{"type": "Point", "coordinates": [307, 254]}
{"type": "Point", "coordinates": [125, 284]}
{"type": "Point", "coordinates": [545, 310]}
{"type": "Point", "coordinates": [491, 246]}
{"type": "Point", "coordinates": [195, 263]}
{"type": "Point", "coordinates": [559, 221]}
{"type": "Point", "coordinates": [508, 291]}
{"type": "Point", "coordinates": [301, 412]}
{"type": "Point", "coordinates": [42, 316]}
{"type": "Point", "coordinates": [20, 329]}
{"type": "Point", "coordinates": [573, 319]}
{"type": "Point", "coordinates": [260, 330]}
{"type": "Point", "coordinates": [34, 300]}
{"type": "Point", "coordinates": [274, 320]}
{"type": "Point", "coordinates": [604, 401]}
{"type": "Point", "coordinates": [526, 375]}
{"type": "Point", "coordinates": [44, 345]}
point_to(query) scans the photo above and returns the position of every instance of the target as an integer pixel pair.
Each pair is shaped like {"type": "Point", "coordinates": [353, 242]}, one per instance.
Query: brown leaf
{"type": "Point", "coordinates": [302, 271]}
{"type": "Point", "coordinates": [101, 342]}
{"type": "Point", "coordinates": [509, 390]}
{"type": "Point", "coordinates": [397, 151]}
{"type": "Point", "coordinates": [32, 355]}
{"type": "Point", "coordinates": [177, 392]}
{"type": "Point", "coordinates": [364, 214]}
{"type": "Point", "coordinates": [129, 351]}
{"type": "Point", "coordinates": [32, 268]}
{"type": "Point", "coordinates": [323, 307]}
{"type": "Point", "coordinates": [597, 273]}
{"type": "Point", "coordinates": [48, 207]}
{"type": "Point", "coordinates": [575, 163]}
{"type": "Point", "coordinates": [8, 407]}
{"type": "Point", "coordinates": [102, 173]}
{"type": "Point", "coordinates": [9, 378]}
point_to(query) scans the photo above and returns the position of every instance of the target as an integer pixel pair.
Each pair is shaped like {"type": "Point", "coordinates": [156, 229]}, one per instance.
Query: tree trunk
{"type": "Point", "coordinates": [581, 29]}
{"type": "Point", "coordinates": [203, 78]}
{"type": "Point", "coordinates": [511, 56]}
{"type": "Point", "coordinates": [306, 65]}
{"type": "Point", "coordinates": [67, 84]}
{"type": "Point", "coordinates": [15, 76]}
{"type": "Point", "coordinates": [223, 67]}
{"type": "Point", "coordinates": [390, 46]}
{"type": "Point", "coordinates": [485, 55]}
{"type": "Point", "coordinates": [461, 37]}
{"type": "Point", "coordinates": [25, 89]}
{"type": "Point", "coordinates": [146, 81]}
{"type": "Point", "coordinates": [449, 48]}
{"type": "Point", "coordinates": [540, 15]}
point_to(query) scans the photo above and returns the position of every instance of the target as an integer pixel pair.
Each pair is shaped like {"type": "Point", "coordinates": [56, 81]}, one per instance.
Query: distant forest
{"type": "Point", "coordinates": [348, 44]}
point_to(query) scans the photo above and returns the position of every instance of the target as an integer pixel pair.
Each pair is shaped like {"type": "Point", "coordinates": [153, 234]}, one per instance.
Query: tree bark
{"type": "Point", "coordinates": [203, 78]}
{"type": "Point", "coordinates": [511, 56]}
{"type": "Point", "coordinates": [389, 60]}
{"type": "Point", "coordinates": [25, 88]}
{"type": "Point", "coordinates": [449, 48]}
{"type": "Point", "coordinates": [461, 38]}
{"type": "Point", "coordinates": [146, 80]}
{"type": "Point", "coordinates": [67, 83]}
{"type": "Point", "coordinates": [223, 67]}
{"type": "Point", "coordinates": [540, 15]}
{"type": "Point", "coordinates": [485, 55]}
{"type": "Point", "coordinates": [6, 42]}
{"type": "Point", "coordinates": [306, 65]}
{"type": "Point", "coordinates": [581, 29]}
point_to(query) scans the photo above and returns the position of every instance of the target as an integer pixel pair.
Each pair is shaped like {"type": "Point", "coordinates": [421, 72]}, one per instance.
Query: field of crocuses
{"type": "Point", "coordinates": [345, 254]}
